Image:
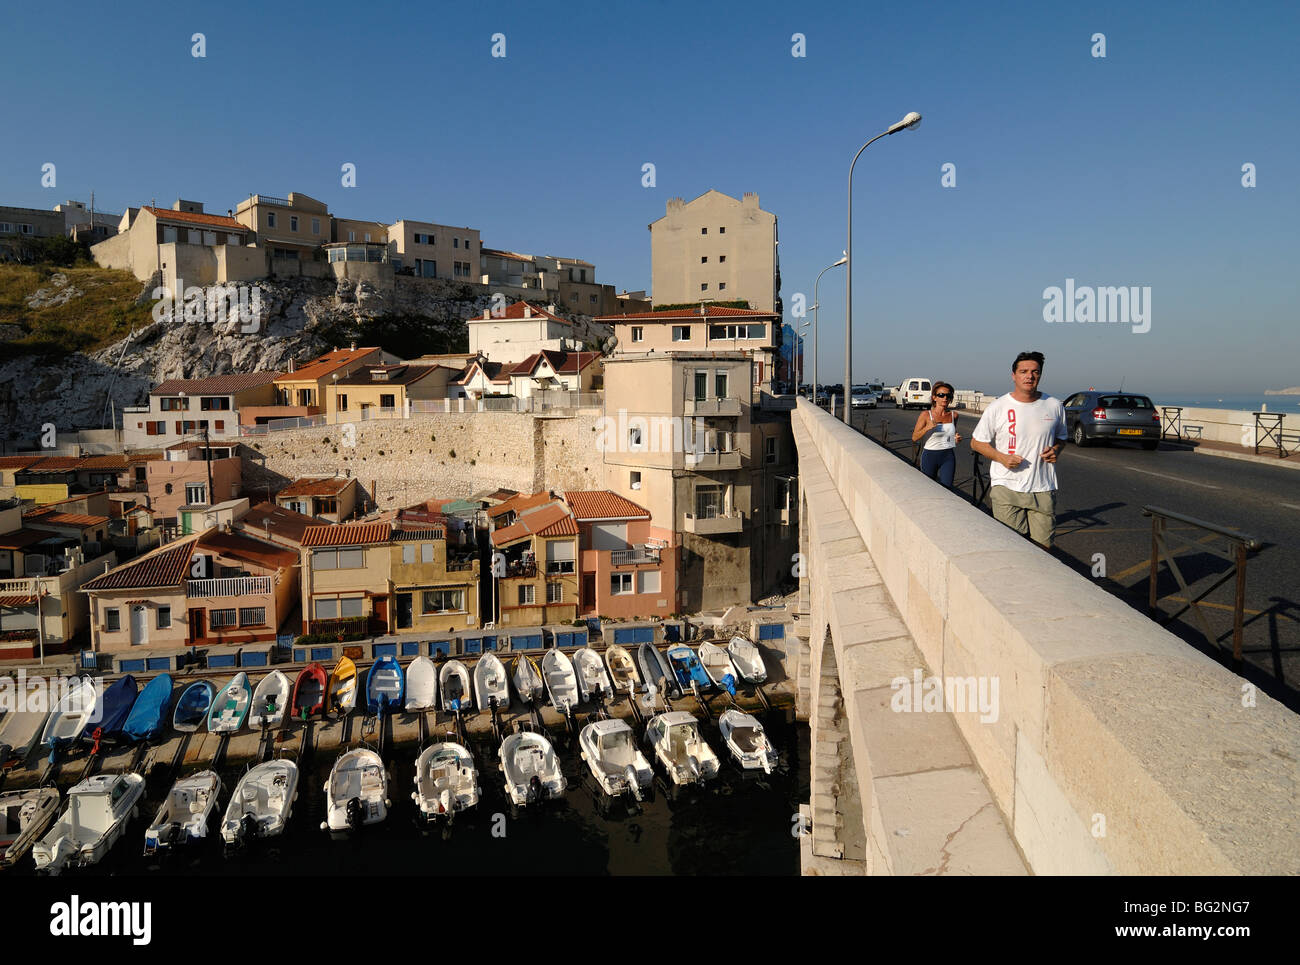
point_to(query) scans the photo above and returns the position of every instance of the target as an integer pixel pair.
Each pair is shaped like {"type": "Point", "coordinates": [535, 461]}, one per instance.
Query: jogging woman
{"type": "Point", "coordinates": [939, 456]}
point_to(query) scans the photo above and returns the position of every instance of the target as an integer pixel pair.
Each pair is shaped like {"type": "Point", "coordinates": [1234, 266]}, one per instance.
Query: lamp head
{"type": "Point", "coordinates": [912, 119]}
{"type": "Point", "coordinates": [842, 260]}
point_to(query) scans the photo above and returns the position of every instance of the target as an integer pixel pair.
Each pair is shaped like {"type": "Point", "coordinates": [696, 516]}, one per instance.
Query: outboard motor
{"type": "Point", "coordinates": [629, 775]}
{"type": "Point", "coordinates": [354, 813]}
{"type": "Point", "coordinates": [247, 828]}
{"type": "Point", "coordinates": [5, 751]}
{"type": "Point", "coordinates": [536, 791]}
{"type": "Point", "coordinates": [693, 763]}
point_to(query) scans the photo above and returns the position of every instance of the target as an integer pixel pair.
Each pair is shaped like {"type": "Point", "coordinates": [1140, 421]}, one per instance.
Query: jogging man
{"type": "Point", "coordinates": [1021, 434]}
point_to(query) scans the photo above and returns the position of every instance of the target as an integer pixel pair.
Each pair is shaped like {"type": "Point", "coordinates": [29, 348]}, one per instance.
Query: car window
{"type": "Point", "coordinates": [1125, 402]}
{"type": "Point", "coordinates": [1074, 400]}
{"type": "Point", "coordinates": [925, 386]}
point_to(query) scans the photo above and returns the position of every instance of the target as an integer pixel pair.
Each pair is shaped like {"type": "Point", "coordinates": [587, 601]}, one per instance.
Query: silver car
{"type": "Point", "coordinates": [1106, 416]}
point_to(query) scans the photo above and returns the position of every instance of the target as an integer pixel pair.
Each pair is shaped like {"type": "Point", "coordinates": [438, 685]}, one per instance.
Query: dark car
{"type": "Point", "coordinates": [1092, 416]}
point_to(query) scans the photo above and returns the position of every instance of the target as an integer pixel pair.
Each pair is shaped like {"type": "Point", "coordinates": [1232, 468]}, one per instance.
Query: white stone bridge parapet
{"type": "Point", "coordinates": [1116, 748]}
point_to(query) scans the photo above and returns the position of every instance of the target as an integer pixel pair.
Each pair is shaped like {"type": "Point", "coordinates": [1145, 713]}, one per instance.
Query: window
{"type": "Point", "coordinates": [620, 583]}
{"type": "Point", "coordinates": [701, 386]}
{"type": "Point", "coordinates": [769, 449]}
{"type": "Point", "coordinates": [426, 552]}
{"type": "Point", "coordinates": [173, 405]}
{"type": "Point", "coordinates": [315, 226]}
{"type": "Point", "coordinates": [221, 618]}
{"type": "Point", "coordinates": [704, 259]}
{"type": "Point", "coordinates": [720, 385]}
{"type": "Point", "coordinates": [443, 601]}
{"type": "Point", "coordinates": [722, 230]}
{"type": "Point", "coordinates": [164, 617]}
{"type": "Point", "coordinates": [387, 402]}
{"type": "Point", "coordinates": [554, 592]}
{"type": "Point", "coordinates": [638, 333]}
{"type": "Point", "coordinates": [709, 502]}
{"type": "Point", "coordinates": [634, 480]}
{"type": "Point", "coordinates": [647, 581]}
{"type": "Point", "coordinates": [704, 286]}
{"type": "Point", "coordinates": [219, 425]}
{"type": "Point", "coordinates": [195, 494]}
{"type": "Point", "coordinates": [327, 609]}
{"type": "Point", "coordinates": [220, 403]}
{"type": "Point", "coordinates": [722, 259]}
{"type": "Point", "coordinates": [352, 559]}
{"type": "Point", "coordinates": [722, 286]}
{"type": "Point", "coordinates": [113, 620]}
{"type": "Point", "coordinates": [367, 236]}
{"type": "Point", "coordinates": [343, 403]}
{"type": "Point", "coordinates": [270, 219]}
{"type": "Point", "coordinates": [681, 333]}
{"type": "Point", "coordinates": [293, 222]}
{"type": "Point", "coordinates": [350, 606]}
{"type": "Point", "coordinates": [634, 437]}
{"type": "Point", "coordinates": [527, 595]}
{"type": "Point", "coordinates": [325, 505]}
{"type": "Point", "coordinates": [704, 231]}
{"type": "Point", "coordinates": [408, 552]}
{"type": "Point", "coordinates": [169, 235]}
{"type": "Point", "coordinates": [252, 616]}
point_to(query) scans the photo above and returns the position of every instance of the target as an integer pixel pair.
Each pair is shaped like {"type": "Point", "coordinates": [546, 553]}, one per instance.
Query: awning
{"type": "Point", "coordinates": [20, 600]}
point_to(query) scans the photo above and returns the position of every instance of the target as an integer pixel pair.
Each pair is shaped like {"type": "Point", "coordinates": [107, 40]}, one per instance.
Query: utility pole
{"type": "Point", "coordinates": [207, 455]}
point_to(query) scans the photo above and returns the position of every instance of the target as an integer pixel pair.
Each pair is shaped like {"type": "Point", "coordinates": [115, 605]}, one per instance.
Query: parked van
{"type": "Point", "coordinates": [913, 392]}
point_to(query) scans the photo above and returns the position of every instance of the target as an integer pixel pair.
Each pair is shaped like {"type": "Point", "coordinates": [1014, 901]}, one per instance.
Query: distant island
{"type": "Point", "coordinates": [1295, 390]}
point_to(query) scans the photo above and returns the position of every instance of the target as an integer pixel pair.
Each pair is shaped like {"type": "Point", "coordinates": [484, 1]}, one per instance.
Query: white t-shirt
{"type": "Point", "coordinates": [1026, 429]}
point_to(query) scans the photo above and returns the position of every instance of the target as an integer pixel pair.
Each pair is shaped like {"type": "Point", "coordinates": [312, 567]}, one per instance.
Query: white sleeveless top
{"type": "Point", "coordinates": [944, 436]}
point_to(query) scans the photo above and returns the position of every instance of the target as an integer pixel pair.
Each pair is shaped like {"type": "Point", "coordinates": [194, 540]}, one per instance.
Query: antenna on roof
{"type": "Point", "coordinates": [1121, 383]}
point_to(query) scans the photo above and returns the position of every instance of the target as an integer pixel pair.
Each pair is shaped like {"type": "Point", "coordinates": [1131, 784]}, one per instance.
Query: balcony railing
{"type": "Point", "coordinates": [716, 460]}
{"type": "Point", "coordinates": [709, 525]}
{"type": "Point", "coordinates": [520, 569]}
{"type": "Point", "coordinates": [20, 587]}
{"type": "Point", "coordinates": [717, 407]}
{"type": "Point", "coordinates": [228, 586]}
{"type": "Point", "coordinates": [455, 566]}
{"type": "Point", "coordinates": [637, 554]}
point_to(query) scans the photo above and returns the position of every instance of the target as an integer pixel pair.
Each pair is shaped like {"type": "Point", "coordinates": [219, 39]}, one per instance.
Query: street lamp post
{"type": "Point", "coordinates": [911, 120]}
{"type": "Point", "coordinates": [816, 306]}
{"type": "Point", "coordinates": [801, 358]}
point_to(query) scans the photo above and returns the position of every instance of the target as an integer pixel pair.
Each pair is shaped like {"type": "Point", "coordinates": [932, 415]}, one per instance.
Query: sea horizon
{"type": "Point", "coordinates": [1239, 401]}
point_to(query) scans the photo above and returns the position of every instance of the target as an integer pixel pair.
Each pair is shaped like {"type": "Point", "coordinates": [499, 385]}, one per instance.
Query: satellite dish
{"type": "Point", "coordinates": [608, 345]}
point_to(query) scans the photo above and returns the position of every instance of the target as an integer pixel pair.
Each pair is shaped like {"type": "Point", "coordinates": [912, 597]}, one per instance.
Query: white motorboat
{"type": "Point", "coordinates": [356, 793]}
{"type": "Point", "coordinates": [591, 673]}
{"type": "Point", "coordinates": [454, 684]}
{"type": "Point", "coordinates": [718, 666]}
{"type": "Point", "coordinates": [491, 683]}
{"type": "Point", "coordinates": [269, 700]}
{"type": "Point", "coordinates": [561, 681]}
{"type": "Point", "coordinates": [446, 781]}
{"type": "Point", "coordinates": [24, 816]}
{"type": "Point", "coordinates": [230, 706]}
{"type": "Point", "coordinates": [747, 660]}
{"type": "Point", "coordinates": [609, 748]}
{"type": "Point", "coordinates": [262, 802]}
{"type": "Point", "coordinates": [531, 768]}
{"type": "Point", "coordinates": [184, 815]}
{"type": "Point", "coordinates": [20, 730]}
{"type": "Point", "coordinates": [71, 714]}
{"type": "Point", "coordinates": [421, 685]}
{"type": "Point", "coordinates": [747, 740]}
{"type": "Point", "coordinates": [528, 679]}
{"type": "Point", "coordinates": [622, 669]}
{"type": "Point", "coordinates": [685, 755]}
{"type": "Point", "coordinates": [97, 814]}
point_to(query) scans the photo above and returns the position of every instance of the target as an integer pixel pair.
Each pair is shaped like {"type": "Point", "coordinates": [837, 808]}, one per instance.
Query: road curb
{"type": "Point", "coordinates": [1247, 457]}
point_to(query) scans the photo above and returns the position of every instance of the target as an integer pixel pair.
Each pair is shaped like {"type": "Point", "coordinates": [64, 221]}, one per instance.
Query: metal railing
{"type": "Point", "coordinates": [637, 554]}
{"type": "Point", "coordinates": [228, 586]}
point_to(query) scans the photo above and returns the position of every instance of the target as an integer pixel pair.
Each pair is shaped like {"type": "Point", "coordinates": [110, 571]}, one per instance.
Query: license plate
{"type": "Point", "coordinates": [1130, 432]}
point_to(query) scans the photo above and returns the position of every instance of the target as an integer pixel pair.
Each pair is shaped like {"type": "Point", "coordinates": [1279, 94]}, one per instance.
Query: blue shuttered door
{"type": "Point", "coordinates": [579, 638]}
{"type": "Point", "coordinates": [410, 648]}
{"type": "Point", "coordinates": [321, 654]}
{"type": "Point", "coordinates": [672, 633]}
{"type": "Point", "coordinates": [299, 654]}
{"type": "Point", "coordinates": [526, 641]}
{"type": "Point", "coordinates": [489, 643]}
{"type": "Point", "coordinates": [624, 635]}
{"type": "Point", "coordinates": [383, 650]}
{"type": "Point", "coordinates": [130, 666]}
{"type": "Point", "coordinates": [158, 663]}
{"type": "Point", "coordinates": [440, 647]}
{"type": "Point", "coordinates": [771, 631]}
{"type": "Point", "coordinates": [643, 635]}
{"type": "Point", "coordinates": [564, 639]}
{"type": "Point", "coordinates": [471, 645]}
{"type": "Point", "coordinates": [254, 658]}
{"type": "Point", "coordinates": [222, 659]}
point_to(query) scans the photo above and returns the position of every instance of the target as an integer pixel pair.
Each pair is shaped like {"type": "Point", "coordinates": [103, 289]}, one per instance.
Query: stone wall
{"type": "Point", "coordinates": [405, 461]}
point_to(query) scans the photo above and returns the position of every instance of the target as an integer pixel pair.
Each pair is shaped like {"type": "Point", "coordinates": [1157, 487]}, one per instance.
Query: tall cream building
{"type": "Point", "coordinates": [716, 248]}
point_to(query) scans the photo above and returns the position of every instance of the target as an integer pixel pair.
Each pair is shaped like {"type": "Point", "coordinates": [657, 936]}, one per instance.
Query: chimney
{"type": "Point", "coordinates": [551, 308]}
{"type": "Point", "coordinates": [528, 310]}
{"type": "Point", "coordinates": [229, 213]}
{"type": "Point", "coordinates": [352, 346]}
{"type": "Point", "coordinates": [293, 365]}
{"type": "Point", "coordinates": [487, 313]}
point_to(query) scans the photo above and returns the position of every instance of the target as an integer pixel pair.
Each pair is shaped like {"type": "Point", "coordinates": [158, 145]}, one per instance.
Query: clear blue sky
{"type": "Point", "coordinates": [1117, 171]}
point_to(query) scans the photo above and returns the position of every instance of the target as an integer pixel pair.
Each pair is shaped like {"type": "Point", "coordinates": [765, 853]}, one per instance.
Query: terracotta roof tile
{"type": "Point", "coordinates": [347, 534]}
{"type": "Point", "coordinates": [515, 313]}
{"type": "Point", "coordinates": [242, 547]}
{"type": "Point", "coordinates": [71, 519]}
{"type": "Point", "coordinates": [190, 217]}
{"type": "Point", "coordinates": [17, 462]}
{"type": "Point", "coordinates": [216, 385]}
{"type": "Point", "coordinates": [393, 374]}
{"type": "Point", "coordinates": [282, 522]}
{"type": "Point", "coordinates": [163, 567]}
{"type": "Point", "coordinates": [54, 464]}
{"type": "Point", "coordinates": [331, 486]}
{"type": "Point", "coordinates": [327, 364]}
{"type": "Point", "coordinates": [115, 460]}
{"type": "Point", "coordinates": [21, 600]}
{"type": "Point", "coordinates": [602, 504]}
{"type": "Point", "coordinates": [22, 538]}
{"type": "Point", "coordinates": [552, 520]}
{"type": "Point", "coordinates": [519, 502]}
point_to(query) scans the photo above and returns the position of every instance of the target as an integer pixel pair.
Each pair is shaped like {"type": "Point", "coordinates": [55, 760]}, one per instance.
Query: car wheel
{"type": "Point", "coordinates": [1150, 444]}
{"type": "Point", "coordinates": [1080, 439]}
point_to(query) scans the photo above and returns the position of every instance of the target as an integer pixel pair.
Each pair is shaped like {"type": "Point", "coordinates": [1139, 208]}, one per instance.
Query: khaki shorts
{"type": "Point", "coordinates": [1029, 514]}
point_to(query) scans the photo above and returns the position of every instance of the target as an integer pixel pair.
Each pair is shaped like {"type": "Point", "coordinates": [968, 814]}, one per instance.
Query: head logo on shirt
{"type": "Point", "coordinates": [1011, 430]}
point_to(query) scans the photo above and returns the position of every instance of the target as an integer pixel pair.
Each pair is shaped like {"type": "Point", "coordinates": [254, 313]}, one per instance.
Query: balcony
{"type": "Point", "coordinates": [634, 556]}
{"type": "Point", "coordinates": [518, 568]}
{"type": "Point", "coordinates": [228, 586]}
{"type": "Point", "coordinates": [705, 407]}
{"type": "Point", "coordinates": [777, 403]}
{"type": "Point", "coordinates": [720, 524]}
{"type": "Point", "coordinates": [715, 461]}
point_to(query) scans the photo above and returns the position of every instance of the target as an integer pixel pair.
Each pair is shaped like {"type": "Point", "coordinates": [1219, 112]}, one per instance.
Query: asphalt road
{"type": "Point", "coordinates": [1099, 511]}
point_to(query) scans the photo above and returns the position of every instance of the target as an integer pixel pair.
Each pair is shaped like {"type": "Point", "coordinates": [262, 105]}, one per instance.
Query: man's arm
{"type": "Point", "coordinates": [988, 452]}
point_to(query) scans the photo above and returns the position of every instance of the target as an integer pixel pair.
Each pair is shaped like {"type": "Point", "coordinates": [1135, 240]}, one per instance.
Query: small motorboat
{"type": "Point", "coordinates": [356, 793]}
{"type": "Point", "coordinates": [184, 815]}
{"type": "Point", "coordinates": [98, 811]}
{"type": "Point", "coordinates": [747, 660]}
{"type": "Point", "coordinates": [609, 748]}
{"type": "Point", "coordinates": [24, 816]}
{"type": "Point", "coordinates": [686, 665]}
{"type": "Point", "coordinates": [385, 685]}
{"type": "Point", "coordinates": [192, 706]}
{"type": "Point", "coordinates": [622, 669]}
{"type": "Point", "coordinates": [114, 708]}
{"type": "Point", "coordinates": [230, 706]}
{"type": "Point", "coordinates": [718, 666]}
{"type": "Point", "coordinates": [21, 729]}
{"type": "Point", "coordinates": [454, 687]}
{"type": "Point", "coordinates": [561, 681]}
{"type": "Point", "coordinates": [446, 781]}
{"type": "Point", "coordinates": [309, 692]}
{"type": "Point", "coordinates": [592, 677]}
{"type": "Point", "coordinates": [270, 700]}
{"type": "Point", "coordinates": [531, 768]}
{"type": "Point", "coordinates": [71, 714]}
{"type": "Point", "coordinates": [343, 687]}
{"type": "Point", "coordinates": [491, 683]}
{"type": "Point", "coordinates": [262, 802]}
{"type": "Point", "coordinates": [748, 742]}
{"type": "Point", "coordinates": [656, 672]}
{"type": "Point", "coordinates": [148, 717]}
{"type": "Point", "coordinates": [528, 679]}
{"type": "Point", "coordinates": [421, 685]}
{"type": "Point", "coordinates": [685, 755]}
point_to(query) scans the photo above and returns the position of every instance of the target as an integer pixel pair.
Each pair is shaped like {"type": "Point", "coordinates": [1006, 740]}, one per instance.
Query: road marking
{"type": "Point", "coordinates": [1146, 563]}
{"type": "Point", "coordinates": [1148, 472]}
{"type": "Point", "coordinates": [1291, 506]}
